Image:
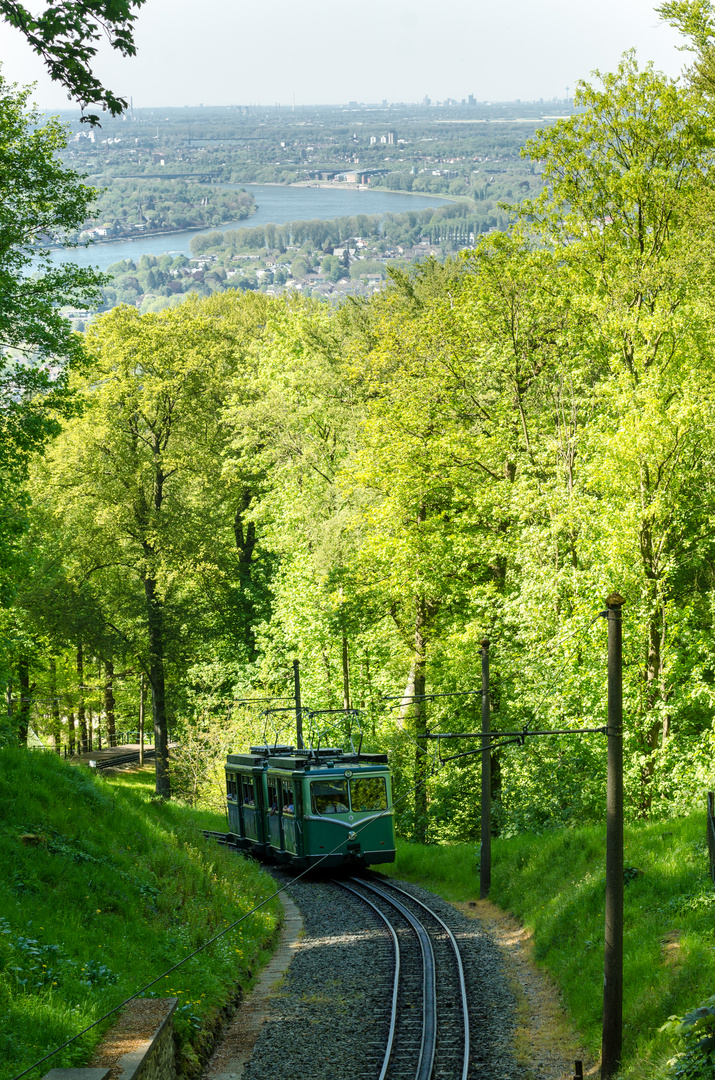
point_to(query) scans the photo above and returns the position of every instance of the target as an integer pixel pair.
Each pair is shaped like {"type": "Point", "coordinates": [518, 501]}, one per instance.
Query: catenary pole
{"type": "Point", "coordinates": [485, 858]}
{"type": "Point", "coordinates": [141, 718]}
{"type": "Point", "coordinates": [298, 707]}
{"type": "Point", "coordinates": [613, 952]}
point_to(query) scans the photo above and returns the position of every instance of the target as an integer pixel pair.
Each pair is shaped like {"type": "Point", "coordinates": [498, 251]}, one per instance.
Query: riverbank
{"type": "Point", "coordinates": [340, 185]}
{"type": "Point", "coordinates": [146, 235]}
{"type": "Point", "coordinates": [277, 204]}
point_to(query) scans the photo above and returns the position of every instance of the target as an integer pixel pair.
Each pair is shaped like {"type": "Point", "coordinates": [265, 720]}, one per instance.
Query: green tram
{"type": "Point", "coordinates": [311, 806]}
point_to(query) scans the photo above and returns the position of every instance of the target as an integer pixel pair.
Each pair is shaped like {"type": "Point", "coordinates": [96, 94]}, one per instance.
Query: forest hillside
{"type": "Point", "coordinates": [488, 447]}
{"type": "Point", "coordinates": [102, 890]}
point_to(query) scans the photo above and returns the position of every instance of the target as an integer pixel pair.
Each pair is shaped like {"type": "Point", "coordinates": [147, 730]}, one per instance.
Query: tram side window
{"type": "Point", "coordinates": [287, 797]}
{"type": "Point", "coordinates": [329, 796]}
{"type": "Point", "coordinates": [231, 787]}
{"type": "Point", "coordinates": [272, 797]}
{"type": "Point", "coordinates": [368, 793]}
{"type": "Point", "coordinates": [248, 795]}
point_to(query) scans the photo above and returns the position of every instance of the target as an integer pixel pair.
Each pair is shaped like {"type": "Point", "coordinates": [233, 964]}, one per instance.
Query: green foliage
{"type": "Point", "coordinates": [88, 862]}
{"type": "Point", "coordinates": [126, 207]}
{"type": "Point", "coordinates": [40, 201]}
{"type": "Point", "coordinates": [489, 445]}
{"type": "Point", "coordinates": [694, 1034]}
{"type": "Point", "coordinates": [64, 35]}
{"type": "Point", "coordinates": [555, 884]}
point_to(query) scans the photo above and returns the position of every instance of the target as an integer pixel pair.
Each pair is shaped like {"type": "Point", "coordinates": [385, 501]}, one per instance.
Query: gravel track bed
{"type": "Point", "coordinates": [408, 1029]}
{"type": "Point", "coordinates": [449, 1055]}
{"type": "Point", "coordinates": [491, 1003]}
{"type": "Point", "coordinates": [329, 1019]}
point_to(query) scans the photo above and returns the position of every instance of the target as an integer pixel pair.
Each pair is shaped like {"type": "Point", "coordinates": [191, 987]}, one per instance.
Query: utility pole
{"type": "Point", "coordinates": [613, 953]}
{"type": "Point", "coordinates": [298, 707]}
{"type": "Point", "coordinates": [141, 718]}
{"type": "Point", "coordinates": [485, 857]}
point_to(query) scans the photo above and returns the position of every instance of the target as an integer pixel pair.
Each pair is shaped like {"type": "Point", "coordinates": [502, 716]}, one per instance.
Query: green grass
{"type": "Point", "coordinates": [555, 884]}
{"type": "Point", "coordinates": [102, 888]}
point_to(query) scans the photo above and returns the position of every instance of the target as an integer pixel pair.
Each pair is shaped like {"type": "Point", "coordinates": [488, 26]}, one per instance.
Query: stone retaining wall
{"type": "Point", "coordinates": [139, 1047]}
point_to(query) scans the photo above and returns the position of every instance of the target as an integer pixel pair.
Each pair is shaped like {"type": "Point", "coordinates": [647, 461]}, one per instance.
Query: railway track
{"type": "Point", "coordinates": [219, 837]}
{"type": "Point", "coordinates": [428, 1034]}
{"type": "Point", "coordinates": [383, 988]}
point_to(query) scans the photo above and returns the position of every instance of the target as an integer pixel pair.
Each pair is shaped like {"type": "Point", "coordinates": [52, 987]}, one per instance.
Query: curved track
{"type": "Point", "coordinates": [428, 1036]}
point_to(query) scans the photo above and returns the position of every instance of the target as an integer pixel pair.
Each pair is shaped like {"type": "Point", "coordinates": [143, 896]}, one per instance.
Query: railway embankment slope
{"type": "Point", "coordinates": [102, 889]}
{"type": "Point", "coordinates": [547, 909]}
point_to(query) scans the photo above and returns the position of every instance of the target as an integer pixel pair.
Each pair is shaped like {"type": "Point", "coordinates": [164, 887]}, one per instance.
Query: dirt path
{"type": "Point", "coordinates": [546, 1045]}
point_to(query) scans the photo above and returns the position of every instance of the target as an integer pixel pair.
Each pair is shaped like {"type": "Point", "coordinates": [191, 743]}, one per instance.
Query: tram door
{"type": "Point", "coordinates": [234, 822]}
{"type": "Point", "coordinates": [273, 814]}
{"type": "Point", "coordinates": [288, 816]}
{"type": "Point", "coordinates": [250, 811]}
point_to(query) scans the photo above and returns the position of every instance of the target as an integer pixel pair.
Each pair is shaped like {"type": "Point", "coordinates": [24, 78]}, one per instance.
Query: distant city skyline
{"type": "Point", "coordinates": [323, 52]}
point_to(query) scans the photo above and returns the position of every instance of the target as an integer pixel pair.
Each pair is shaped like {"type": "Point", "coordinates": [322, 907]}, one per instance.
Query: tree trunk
{"type": "Point", "coordinates": [245, 545]}
{"type": "Point", "coordinates": [90, 730]}
{"type": "Point", "coordinates": [70, 733]}
{"type": "Point", "coordinates": [656, 730]}
{"type": "Point", "coordinates": [81, 718]}
{"type": "Point", "coordinates": [420, 719]}
{"type": "Point", "coordinates": [23, 712]}
{"type": "Point", "coordinates": [407, 697]}
{"type": "Point", "coordinates": [346, 672]}
{"type": "Point", "coordinates": [370, 695]}
{"type": "Point", "coordinates": [141, 719]}
{"type": "Point", "coordinates": [155, 620]}
{"type": "Point", "coordinates": [56, 722]}
{"type": "Point", "coordinates": [109, 702]}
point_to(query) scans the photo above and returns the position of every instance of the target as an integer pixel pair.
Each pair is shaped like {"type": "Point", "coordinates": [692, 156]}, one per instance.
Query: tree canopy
{"type": "Point", "coordinates": [488, 447]}
{"type": "Point", "coordinates": [65, 36]}
{"type": "Point", "coordinates": [40, 200]}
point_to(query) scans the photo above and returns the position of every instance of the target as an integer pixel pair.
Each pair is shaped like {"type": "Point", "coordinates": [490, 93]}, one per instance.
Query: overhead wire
{"type": "Point", "coordinates": [413, 788]}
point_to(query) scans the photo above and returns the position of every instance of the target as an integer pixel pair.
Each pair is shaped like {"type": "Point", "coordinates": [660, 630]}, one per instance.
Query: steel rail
{"type": "Point", "coordinates": [395, 982]}
{"type": "Point", "coordinates": [120, 759]}
{"type": "Point", "coordinates": [460, 970]}
{"type": "Point", "coordinates": [429, 991]}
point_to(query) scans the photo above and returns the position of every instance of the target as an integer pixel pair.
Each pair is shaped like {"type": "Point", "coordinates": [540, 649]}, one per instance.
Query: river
{"type": "Point", "coordinates": [277, 204]}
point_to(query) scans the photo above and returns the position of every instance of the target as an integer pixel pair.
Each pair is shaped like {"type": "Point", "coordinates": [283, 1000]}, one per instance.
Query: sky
{"type": "Point", "coordinates": [220, 52]}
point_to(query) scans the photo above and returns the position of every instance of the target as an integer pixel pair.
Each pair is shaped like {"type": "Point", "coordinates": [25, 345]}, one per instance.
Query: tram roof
{"type": "Point", "coordinates": [288, 758]}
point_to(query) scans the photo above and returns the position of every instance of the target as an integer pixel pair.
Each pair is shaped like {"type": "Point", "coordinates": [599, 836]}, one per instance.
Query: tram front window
{"type": "Point", "coordinates": [329, 796]}
{"type": "Point", "coordinates": [369, 793]}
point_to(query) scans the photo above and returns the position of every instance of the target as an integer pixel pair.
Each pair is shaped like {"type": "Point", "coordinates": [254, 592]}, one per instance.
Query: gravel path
{"type": "Point", "coordinates": [546, 1044]}
{"type": "Point", "coordinates": [328, 1019]}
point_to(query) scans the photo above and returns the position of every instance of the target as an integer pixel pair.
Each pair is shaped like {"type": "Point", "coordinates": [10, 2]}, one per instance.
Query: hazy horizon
{"type": "Point", "coordinates": [324, 53]}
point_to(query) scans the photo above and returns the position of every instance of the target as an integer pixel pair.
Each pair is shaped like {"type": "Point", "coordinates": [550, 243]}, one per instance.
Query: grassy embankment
{"type": "Point", "coordinates": [101, 890]}
{"type": "Point", "coordinates": [555, 882]}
